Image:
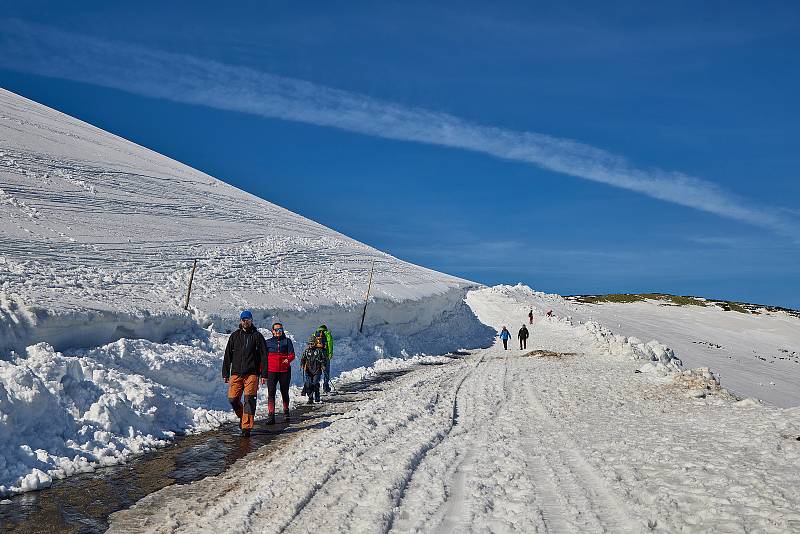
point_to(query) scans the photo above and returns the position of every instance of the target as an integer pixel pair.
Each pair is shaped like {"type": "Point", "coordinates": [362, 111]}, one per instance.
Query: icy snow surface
{"type": "Point", "coordinates": [565, 436]}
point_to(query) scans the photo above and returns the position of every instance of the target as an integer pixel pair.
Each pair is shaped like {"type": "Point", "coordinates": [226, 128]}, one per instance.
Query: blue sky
{"type": "Point", "coordinates": [578, 149]}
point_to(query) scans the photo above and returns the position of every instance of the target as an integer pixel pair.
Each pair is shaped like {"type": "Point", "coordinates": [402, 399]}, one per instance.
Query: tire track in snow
{"type": "Point", "coordinates": [424, 451]}
{"type": "Point", "coordinates": [469, 482]}
{"type": "Point", "coordinates": [595, 505]}
{"type": "Point", "coordinates": [547, 497]}
{"type": "Point", "coordinates": [454, 513]}
{"type": "Point", "coordinates": [355, 465]}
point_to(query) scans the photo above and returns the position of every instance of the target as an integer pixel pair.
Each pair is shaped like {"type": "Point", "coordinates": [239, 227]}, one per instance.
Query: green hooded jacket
{"type": "Point", "coordinates": [328, 341]}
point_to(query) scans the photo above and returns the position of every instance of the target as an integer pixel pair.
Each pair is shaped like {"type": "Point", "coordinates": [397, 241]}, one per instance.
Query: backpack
{"type": "Point", "coordinates": [313, 361]}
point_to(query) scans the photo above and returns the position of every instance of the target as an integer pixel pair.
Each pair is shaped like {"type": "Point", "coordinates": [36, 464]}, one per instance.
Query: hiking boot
{"type": "Point", "coordinates": [310, 400]}
{"type": "Point", "coordinates": [316, 398]}
{"type": "Point", "coordinates": [271, 419]}
{"type": "Point", "coordinates": [286, 417]}
{"type": "Point", "coordinates": [245, 433]}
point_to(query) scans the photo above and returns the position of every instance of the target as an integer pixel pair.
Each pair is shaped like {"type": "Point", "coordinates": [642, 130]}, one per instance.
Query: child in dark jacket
{"type": "Point", "coordinates": [313, 364]}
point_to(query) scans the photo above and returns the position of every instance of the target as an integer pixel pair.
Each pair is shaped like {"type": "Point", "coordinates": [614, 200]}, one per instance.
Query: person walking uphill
{"type": "Point", "coordinates": [530, 316]}
{"type": "Point", "coordinates": [326, 381]}
{"type": "Point", "coordinates": [313, 363]}
{"type": "Point", "coordinates": [244, 358]}
{"type": "Point", "coordinates": [278, 371]}
{"type": "Point", "coordinates": [505, 335]}
{"type": "Point", "coordinates": [523, 337]}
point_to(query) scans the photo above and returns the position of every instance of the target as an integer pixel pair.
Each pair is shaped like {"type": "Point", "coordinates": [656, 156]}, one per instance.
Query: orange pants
{"type": "Point", "coordinates": [247, 384]}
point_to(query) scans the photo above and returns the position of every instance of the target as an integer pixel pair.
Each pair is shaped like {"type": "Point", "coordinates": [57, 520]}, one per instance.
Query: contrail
{"type": "Point", "coordinates": [45, 51]}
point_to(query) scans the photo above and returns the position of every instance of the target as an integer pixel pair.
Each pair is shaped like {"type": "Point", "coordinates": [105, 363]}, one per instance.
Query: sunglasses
{"type": "Point", "coordinates": [277, 329]}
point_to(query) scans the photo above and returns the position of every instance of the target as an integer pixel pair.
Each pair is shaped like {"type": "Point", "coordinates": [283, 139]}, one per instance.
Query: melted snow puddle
{"type": "Point", "coordinates": [83, 503]}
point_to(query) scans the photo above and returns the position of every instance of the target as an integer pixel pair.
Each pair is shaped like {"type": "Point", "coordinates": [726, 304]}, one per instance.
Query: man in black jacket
{"type": "Point", "coordinates": [523, 337]}
{"type": "Point", "coordinates": [245, 356]}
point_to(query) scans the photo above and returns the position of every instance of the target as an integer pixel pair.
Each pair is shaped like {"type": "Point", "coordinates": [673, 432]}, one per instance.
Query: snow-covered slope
{"type": "Point", "coordinates": [97, 238]}
{"type": "Point", "coordinates": [98, 359]}
{"type": "Point", "coordinates": [756, 354]}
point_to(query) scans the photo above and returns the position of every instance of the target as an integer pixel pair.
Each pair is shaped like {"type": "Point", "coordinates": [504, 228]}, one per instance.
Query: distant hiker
{"type": "Point", "coordinates": [505, 335]}
{"type": "Point", "coordinates": [313, 363]}
{"type": "Point", "coordinates": [530, 316]}
{"type": "Point", "coordinates": [278, 371]}
{"type": "Point", "coordinates": [326, 383]}
{"type": "Point", "coordinates": [549, 313]}
{"type": "Point", "coordinates": [523, 337]}
{"type": "Point", "coordinates": [244, 358]}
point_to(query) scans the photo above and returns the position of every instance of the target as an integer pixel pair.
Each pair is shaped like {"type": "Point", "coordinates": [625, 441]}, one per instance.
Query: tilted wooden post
{"type": "Point", "coordinates": [366, 299]}
{"type": "Point", "coordinates": [189, 292]}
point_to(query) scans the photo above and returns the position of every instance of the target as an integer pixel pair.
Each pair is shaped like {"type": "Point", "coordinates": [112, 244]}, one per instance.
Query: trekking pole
{"type": "Point", "coordinates": [189, 291]}
{"type": "Point", "coordinates": [366, 298]}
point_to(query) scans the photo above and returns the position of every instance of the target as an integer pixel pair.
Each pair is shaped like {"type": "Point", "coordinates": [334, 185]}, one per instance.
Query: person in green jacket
{"type": "Point", "coordinates": [326, 383]}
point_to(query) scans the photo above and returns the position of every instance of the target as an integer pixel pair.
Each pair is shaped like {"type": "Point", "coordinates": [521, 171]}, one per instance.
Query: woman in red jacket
{"type": "Point", "coordinates": [280, 353]}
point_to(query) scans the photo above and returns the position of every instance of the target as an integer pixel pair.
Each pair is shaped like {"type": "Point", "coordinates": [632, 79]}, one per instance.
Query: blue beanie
{"type": "Point", "coordinates": [247, 314]}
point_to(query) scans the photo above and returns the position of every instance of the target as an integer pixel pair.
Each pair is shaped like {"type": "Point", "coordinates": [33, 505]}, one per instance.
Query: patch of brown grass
{"type": "Point", "coordinates": [637, 297]}
{"type": "Point", "coordinates": [539, 353]}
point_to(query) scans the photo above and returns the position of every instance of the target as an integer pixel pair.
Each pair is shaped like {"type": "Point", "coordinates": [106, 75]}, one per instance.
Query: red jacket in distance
{"type": "Point", "coordinates": [280, 353]}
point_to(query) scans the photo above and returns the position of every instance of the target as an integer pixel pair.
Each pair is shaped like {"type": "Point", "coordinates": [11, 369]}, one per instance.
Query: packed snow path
{"type": "Point", "coordinates": [563, 438]}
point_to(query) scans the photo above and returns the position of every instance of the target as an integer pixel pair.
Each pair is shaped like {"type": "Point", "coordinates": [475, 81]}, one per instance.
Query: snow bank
{"type": "Point", "coordinates": [63, 413]}
{"type": "Point", "coordinates": [387, 365]}
{"type": "Point", "coordinates": [22, 325]}
{"type": "Point", "coordinates": [99, 236]}
{"type": "Point", "coordinates": [661, 359]}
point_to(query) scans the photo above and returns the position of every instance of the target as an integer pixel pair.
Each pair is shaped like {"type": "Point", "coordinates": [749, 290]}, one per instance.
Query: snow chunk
{"type": "Point", "coordinates": [662, 359]}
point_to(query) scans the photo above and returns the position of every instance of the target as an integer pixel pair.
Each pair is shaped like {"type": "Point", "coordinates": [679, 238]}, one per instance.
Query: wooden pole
{"type": "Point", "coordinates": [189, 292]}
{"type": "Point", "coordinates": [366, 299]}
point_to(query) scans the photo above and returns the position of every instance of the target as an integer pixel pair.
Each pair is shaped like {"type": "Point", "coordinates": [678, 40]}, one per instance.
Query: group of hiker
{"type": "Point", "coordinates": [250, 357]}
{"type": "Point", "coordinates": [522, 336]}
{"type": "Point", "coordinates": [523, 333]}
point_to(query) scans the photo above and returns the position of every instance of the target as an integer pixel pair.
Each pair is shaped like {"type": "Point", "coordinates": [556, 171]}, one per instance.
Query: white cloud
{"type": "Point", "coordinates": [48, 52]}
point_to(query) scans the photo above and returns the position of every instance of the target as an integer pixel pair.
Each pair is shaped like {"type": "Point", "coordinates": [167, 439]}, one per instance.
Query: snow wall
{"type": "Point", "coordinates": [70, 404]}
{"type": "Point", "coordinates": [435, 324]}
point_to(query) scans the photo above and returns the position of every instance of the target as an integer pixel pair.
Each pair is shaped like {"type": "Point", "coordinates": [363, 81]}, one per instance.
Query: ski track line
{"type": "Point", "coordinates": [454, 510]}
{"type": "Point", "coordinates": [576, 477]}
{"type": "Point", "coordinates": [547, 497]}
{"type": "Point", "coordinates": [451, 508]}
{"type": "Point", "coordinates": [421, 456]}
{"type": "Point", "coordinates": [321, 489]}
{"type": "Point", "coordinates": [454, 513]}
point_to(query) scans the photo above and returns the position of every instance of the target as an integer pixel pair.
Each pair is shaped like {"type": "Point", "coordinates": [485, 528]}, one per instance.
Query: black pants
{"type": "Point", "coordinates": [273, 379]}
{"type": "Point", "coordinates": [505, 344]}
{"type": "Point", "coordinates": [523, 343]}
